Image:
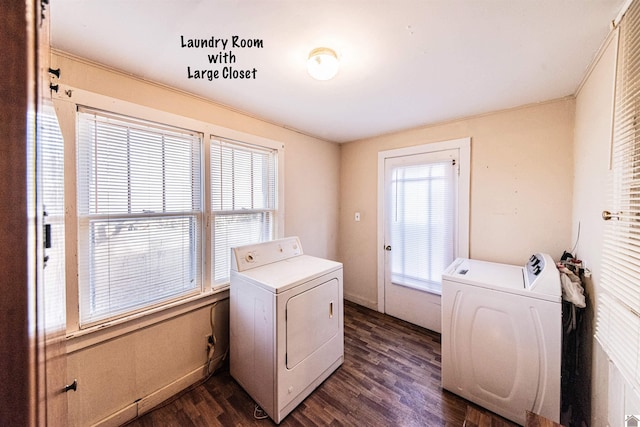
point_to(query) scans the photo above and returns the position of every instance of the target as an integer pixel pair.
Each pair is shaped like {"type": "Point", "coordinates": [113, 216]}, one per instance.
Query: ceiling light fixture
{"type": "Point", "coordinates": [322, 63]}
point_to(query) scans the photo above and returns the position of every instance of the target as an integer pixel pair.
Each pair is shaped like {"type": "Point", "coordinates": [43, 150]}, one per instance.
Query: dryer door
{"type": "Point", "coordinates": [310, 338]}
{"type": "Point", "coordinates": [312, 320]}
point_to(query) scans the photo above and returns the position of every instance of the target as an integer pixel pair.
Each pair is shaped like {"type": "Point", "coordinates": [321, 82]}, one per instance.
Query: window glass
{"type": "Point", "coordinates": [422, 224]}
{"type": "Point", "coordinates": [139, 214]}
{"type": "Point", "coordinates": [243, 199]}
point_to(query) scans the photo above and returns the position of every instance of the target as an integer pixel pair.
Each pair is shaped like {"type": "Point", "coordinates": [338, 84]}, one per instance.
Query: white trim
{"type": "Point", "coordinates": [120, 417]}
{"type": "Point", "coordinates": [464, 187]}
{"type": "Point", "coordinates": [613, 34]}
{"type": "Point", "coordinates": [623, 10]}
{"type": "Point", "coordinates": [616, 38]}
{"type": "Point", "coordinates": [357, 299]}
{"type": "Point", "coordinates": [155, 398]}
{"type": "Point", "coordinates": [105, 331]}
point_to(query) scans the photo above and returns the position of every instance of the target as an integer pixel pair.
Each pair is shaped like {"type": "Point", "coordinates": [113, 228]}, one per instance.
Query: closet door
{"type": "Point", "coordinates": [52, 378]}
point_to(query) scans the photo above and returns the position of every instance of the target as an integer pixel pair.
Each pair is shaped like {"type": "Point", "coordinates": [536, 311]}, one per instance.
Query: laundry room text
{"type": "Point", "coordinates": [222, 54]}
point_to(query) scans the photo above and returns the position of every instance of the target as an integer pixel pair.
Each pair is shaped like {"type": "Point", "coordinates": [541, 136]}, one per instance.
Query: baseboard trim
{"type": "Point", "coordinates": [157, 397]}
{"type": "Point", "coordinates": [152, 400]}
{"type": "Point", "coordinates": [118, 418]}
{"type": "Point", "coordinates": [361, 301]}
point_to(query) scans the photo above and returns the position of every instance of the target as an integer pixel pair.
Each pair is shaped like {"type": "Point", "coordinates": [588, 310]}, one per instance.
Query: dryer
{"type": "Point", "coordinates": [286, 323]}
{"type": "Point", "coordinates": [502, 335]}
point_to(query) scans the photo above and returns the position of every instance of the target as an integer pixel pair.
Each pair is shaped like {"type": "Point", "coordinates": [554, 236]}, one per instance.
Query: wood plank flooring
{"type": "Point", "coordinates": [390, 377]}
{"type": "Point", "coordinates": [477, 418]}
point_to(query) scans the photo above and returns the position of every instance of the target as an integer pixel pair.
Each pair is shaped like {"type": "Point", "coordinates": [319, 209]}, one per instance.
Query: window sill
{"type": "Point", "coordinates": [425, 289]}
{"type": "Point", "coordinates": [77, 340]}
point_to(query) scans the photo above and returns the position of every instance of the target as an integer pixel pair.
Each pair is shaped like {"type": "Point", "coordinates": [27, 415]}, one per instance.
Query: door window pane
{"type": "Point", "coordinates": [422, 224]}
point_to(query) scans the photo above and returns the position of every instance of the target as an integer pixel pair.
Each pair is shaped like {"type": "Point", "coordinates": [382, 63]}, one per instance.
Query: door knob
{"type": "Point", "coordinates": [606, 215]}
{"type": "Point", "coordinates": [387, 248]}
{"type": "Point", "coordinates": [73, 386]}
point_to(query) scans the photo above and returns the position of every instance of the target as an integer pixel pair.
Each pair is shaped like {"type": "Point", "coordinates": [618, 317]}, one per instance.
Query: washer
{"type": "Point", "coordinates": [502, 335]}
{"type": "Point", "coordinates": [286, 323]}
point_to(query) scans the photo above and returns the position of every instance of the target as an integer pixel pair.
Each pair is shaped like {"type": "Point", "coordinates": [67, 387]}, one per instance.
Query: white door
{"type": "Point", "coordinates": [50, 240]}
{"type": "Point", "coordinates": [421, 229]}
{"type": "Point", "coordinates": [51, 295]}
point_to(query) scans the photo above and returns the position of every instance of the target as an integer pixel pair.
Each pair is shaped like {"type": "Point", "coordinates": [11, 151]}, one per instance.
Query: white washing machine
{"type": "Point", "coordinates": [502, 335]}
{"type": "Point", "coordinates": [286, 323]}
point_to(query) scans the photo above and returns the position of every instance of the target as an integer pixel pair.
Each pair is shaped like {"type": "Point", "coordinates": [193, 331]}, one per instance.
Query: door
{"type": "Point", "coordinates": [51, 296]}
{"type": "Point", "coordinates": [50, 240]}
{"type": "Point", "coordinates": [424, 227]}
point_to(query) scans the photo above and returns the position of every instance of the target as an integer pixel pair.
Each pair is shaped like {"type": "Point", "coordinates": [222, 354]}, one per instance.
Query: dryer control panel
{"type": "Point", "coordinates": [541, 275]}
{"type": "Point", "coordinates": [256, 255]}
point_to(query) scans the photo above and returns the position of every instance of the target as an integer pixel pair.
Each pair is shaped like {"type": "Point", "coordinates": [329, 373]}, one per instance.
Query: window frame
{"type": "Point", "coordinates": [91, 201]}
{"type": "Point", "coordinates": [66, 102]}
{"type": "Point", "coordinates": [240, 146]}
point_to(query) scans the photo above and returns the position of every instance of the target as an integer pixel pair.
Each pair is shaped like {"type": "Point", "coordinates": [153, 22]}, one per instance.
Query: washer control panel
{"type": "Point", "coordinates": [541, 275]}
{"type": "Point", "coordinates": [535, 265]}
{"type": "Point", "coordinates": [259, 254]}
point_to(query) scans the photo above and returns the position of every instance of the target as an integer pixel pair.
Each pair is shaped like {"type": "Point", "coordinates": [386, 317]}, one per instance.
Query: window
{"type": "Point", "coordinates": [243, 199]}
{"type": "Point", "coordinates": [423, 224]}
{"type": "Point", "coordinates": [156, 208]}
{"type": "Point", "coordinates": [618, 317]}
{"type": "Point", "coordinates": [139, 214]}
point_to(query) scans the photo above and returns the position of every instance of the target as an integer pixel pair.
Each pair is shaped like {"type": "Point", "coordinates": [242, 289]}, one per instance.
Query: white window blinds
{"type": "Point", "coordinates": [243, 199]}
{"type": "Point", "coordinates": [422, 224]}
{"type": "Point", "coordinates": [139, 213]}
{"type": "Point", "coordinates": [51, 171]}
{"type": "Point", "coordinates": [618, 319]}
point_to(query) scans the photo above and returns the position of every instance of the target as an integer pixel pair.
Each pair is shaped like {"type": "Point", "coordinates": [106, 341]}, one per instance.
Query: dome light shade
{"type": "Point", "coordinates": [322, 63]}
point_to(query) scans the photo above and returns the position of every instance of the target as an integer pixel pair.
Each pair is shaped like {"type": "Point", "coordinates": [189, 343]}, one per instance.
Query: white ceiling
{"type": "Point", "coordinates": [404, 63]}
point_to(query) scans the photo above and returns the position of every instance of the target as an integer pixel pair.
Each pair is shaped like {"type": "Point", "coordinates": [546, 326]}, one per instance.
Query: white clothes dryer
{"type": "Point", "coordinates": [286, 323]}
{"type": "Point", "coordinates": [502, 335]}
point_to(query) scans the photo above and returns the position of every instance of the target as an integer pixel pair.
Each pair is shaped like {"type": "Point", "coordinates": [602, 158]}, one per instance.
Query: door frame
{"type": "Point", "coordinates": [463, 202]}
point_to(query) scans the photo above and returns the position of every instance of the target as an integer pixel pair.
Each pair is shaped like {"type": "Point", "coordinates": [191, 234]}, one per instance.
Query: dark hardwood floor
{"type": "Point", "coordinates": [390, 377]}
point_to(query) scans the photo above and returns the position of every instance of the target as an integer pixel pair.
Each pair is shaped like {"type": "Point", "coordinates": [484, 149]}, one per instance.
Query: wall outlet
{"type": "Point", "coordinates": [209, 339]}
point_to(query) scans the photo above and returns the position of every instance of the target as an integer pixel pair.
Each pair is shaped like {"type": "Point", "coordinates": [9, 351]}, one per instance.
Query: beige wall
{"type": "Point", "coordinates": [521, 188]}
{"type": "Point", "coordinates": [158, 360]}
{"type": "Point", "coordinates": [312, 196]}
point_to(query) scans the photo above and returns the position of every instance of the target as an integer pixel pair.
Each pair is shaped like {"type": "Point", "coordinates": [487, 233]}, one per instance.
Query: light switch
{"type": "Point", "coordinates": [357, 216]}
